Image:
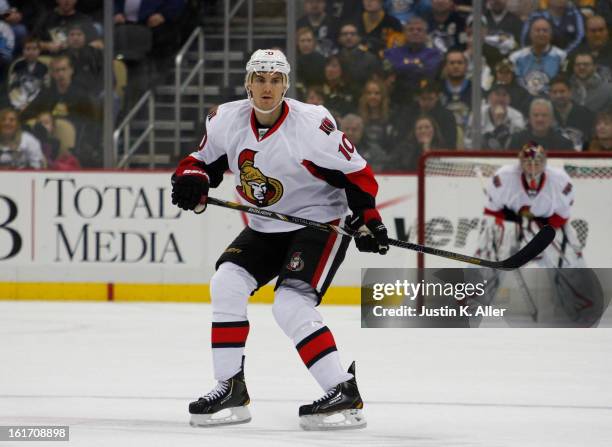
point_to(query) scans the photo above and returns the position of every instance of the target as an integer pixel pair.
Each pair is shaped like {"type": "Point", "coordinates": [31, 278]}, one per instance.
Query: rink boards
{"type": "Point", "coordinates": [116, 236]}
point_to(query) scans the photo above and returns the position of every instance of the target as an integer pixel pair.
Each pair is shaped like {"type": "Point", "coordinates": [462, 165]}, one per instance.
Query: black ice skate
{"type": "Point", "coordinates": [225, 404]}
{"type": "Point", "coordinates": [340, 408]}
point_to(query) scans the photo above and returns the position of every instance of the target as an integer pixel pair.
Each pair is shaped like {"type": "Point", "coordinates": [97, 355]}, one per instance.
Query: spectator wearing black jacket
{"type": "Point", "coordinates": [310, 63]}
{"type": "Point", "coordinates": [16, 18]}
{"type": "Point", "coordinates": [379, 120]}
{"type": "Point", "coordinates": [376, 26]}
{"type": "Point", "coordinates": [324, 27]}
{"type": "Point", "coordinates": [424, 136]}
{"type": "Point", "coordinates": [357, 62]}
{"type": "Point", "coordinates": [67, 99]}
{"type": "Point", "coordinates": [573, 120]}
{"type": "Point", "coordinates": [378, 158]}
{"type": "Point", "coordinates": [28, 75]}
{"type": "Point", "coordinates": [520, 98]}
{"type": "Point", "coordinates": [597, 42]}
{"type": "Point", "coordinates": [541, 130]}
{"type": "Point", "coordinates": [427, 102]}
{"type": "Point", "coordinates": [446, 26]}
{"type": "Point", "coordinates": [87, 61]}
{"type": "Point", "coordinates": [339, 95]}
{"type": "Point", "coordinates": [53, 30]}
{"type": "Point", "coordinates": [505, 27]}
{"type": "Point", "coordinates": [457, 88]}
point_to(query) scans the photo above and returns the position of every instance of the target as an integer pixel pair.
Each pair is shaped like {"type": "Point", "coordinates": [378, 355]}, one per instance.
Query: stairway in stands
{"type": "Point", "coordinates": [269, 30]}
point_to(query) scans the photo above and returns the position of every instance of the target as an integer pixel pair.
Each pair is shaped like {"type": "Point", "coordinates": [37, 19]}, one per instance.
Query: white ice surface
{"type": "Point", "coordinates": [123, 375]}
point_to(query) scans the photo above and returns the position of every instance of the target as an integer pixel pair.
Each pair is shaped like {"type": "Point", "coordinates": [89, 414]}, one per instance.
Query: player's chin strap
{"type": "Point", "coordinates": [250, 96]}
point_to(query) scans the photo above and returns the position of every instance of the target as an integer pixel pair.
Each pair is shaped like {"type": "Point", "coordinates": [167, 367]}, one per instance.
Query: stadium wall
{"type": "Point", "coordinates": [116, 236]}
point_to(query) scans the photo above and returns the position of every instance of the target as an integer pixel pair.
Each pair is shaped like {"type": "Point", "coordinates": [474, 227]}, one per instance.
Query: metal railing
{"type": "Point", "coordinates": [228, 13]}
{"type": "Point", "coordinates": [125, 129]}
{"type": "Point", "coordinates": [180, 85]}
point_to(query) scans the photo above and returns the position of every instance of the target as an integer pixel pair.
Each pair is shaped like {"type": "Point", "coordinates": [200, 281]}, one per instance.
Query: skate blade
{"type": "Point", "coordinates": [227, 416]}
{"type": "Point", "coordinates": [342, 420]}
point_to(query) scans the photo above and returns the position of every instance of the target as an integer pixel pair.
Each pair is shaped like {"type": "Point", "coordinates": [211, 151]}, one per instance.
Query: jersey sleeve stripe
{"type": "Point", "coordinates": [364, 180]}
{"type": "Point", "coordinates": [361, 187]}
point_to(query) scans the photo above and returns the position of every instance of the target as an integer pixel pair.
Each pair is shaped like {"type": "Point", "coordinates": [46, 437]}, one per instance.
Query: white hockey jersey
{"type": "Point", "coordinates": [553, 200]}
{"type": "Point", "coordinates": [301, 166]}
{"type": "Point", "coordinates": [508, 198]}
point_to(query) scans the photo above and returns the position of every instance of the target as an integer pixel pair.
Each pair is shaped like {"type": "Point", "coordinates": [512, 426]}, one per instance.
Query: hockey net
{"type": "Point", "coordinates": [451, 200]}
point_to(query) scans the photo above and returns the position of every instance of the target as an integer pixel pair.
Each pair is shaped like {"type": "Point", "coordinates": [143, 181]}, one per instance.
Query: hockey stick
{"type": "Point", "coordinates": [523, 256]}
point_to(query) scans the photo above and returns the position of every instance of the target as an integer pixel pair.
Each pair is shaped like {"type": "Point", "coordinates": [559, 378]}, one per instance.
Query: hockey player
{"type": "Point", "coordinates": [289, 157]}
{"type": "Point", "coordinates": [531, 194]}
{"type": "Point", "coordinates": [521, 198]}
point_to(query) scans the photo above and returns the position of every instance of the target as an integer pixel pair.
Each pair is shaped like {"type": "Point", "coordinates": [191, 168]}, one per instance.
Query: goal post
{"type": "Point", "coordinates": [451, 200]}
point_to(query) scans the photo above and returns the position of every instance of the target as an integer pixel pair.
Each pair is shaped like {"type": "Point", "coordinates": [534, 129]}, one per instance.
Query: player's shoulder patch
{"type": "Point", "coordinates": [308, 116]}
{"type": "Point", "coordinates": [497, 181]}
{"type": "Point", "coordinates": [327, 126]}
{"type": "Point", "coordinates": [568, 188]}
{"type": "Point", "coordinates": [211, 115]}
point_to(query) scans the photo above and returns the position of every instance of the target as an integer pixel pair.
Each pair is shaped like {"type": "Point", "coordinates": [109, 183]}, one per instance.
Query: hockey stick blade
{"type": "Point", "coordinates": [520, 258]}
{"type": "Point", "coordinates": [526, 254]}
{"type": "Point", "coordinates": [535, 246]}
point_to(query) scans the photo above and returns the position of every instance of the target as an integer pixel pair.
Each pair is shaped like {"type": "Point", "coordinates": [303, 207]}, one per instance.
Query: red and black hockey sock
{"type": "Point", "coordinates": [320, 355]}
{"type": "Point", "coordinates": [229, 334]}
{"type": "Point", "coordinates": [316, 346]}
{"type": "Point", "coordinates": [228, 339]}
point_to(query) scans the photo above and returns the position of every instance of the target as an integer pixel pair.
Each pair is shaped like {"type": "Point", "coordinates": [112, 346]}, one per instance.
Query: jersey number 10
{"type": "Point", "coordinates": [346, 147]}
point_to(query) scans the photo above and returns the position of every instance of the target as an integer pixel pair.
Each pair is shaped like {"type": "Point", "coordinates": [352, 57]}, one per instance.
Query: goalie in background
{"type": "Point", "coordinates": [521, 198]}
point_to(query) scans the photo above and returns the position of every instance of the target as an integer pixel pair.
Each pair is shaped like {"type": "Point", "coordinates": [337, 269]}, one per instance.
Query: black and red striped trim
{"type": "Point", "coordinates": [346, 240]}
{"type": "Point", "coordinates": [229, 334]}
{"type": "Point", "coordinates": [331, 240]}
{"type": "Point", "coordinates": [316, 346]}
{"type": "Point", "coordinates": [361, 187]}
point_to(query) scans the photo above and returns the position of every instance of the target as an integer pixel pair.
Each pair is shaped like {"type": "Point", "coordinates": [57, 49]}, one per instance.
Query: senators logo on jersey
{"type": "Point", "coordinates": [255, 187]}
{"type": "Point", "coordinates": [296, 263]}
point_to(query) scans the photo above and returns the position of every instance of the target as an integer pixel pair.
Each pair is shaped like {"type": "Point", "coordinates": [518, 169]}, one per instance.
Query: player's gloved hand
{"type": "Point", "coordinates": [190, 184]}
{"type": "Point", "coordinates": [372, 234]}
{"type": "Point", "coordinates": [190, 191]}
{"type": "Point", "coordinates": [512, 216]}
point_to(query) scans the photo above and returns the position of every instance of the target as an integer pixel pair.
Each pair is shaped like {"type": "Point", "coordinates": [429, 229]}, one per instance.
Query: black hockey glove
{"type": "Point", "coordinates": [188, 191]}
{"type": "Point", "coordinates": [372, 233]}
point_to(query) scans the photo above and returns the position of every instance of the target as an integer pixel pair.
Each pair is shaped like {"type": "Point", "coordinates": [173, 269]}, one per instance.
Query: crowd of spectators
{"type": "Point", "coordinates": [52, 77]}
{"type": "Point", "coordinates": [397, 75]}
